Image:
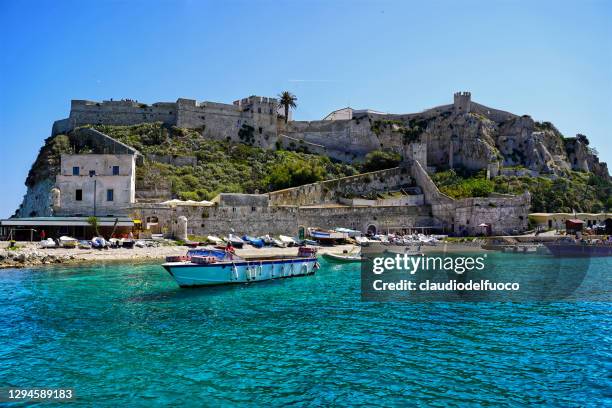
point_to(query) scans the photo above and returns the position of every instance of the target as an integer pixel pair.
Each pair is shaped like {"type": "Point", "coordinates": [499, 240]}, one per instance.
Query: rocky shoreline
{"type": "Point", "coordinates": [31, 255]}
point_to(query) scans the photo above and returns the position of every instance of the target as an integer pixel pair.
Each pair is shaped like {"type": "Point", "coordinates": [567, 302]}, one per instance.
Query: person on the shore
{"type": "Point", "coordinates": [43, 235]}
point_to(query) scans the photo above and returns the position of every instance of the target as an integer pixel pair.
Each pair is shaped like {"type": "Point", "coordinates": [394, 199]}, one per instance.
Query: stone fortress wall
{"type": "Point", "coordinates": [254, 120]}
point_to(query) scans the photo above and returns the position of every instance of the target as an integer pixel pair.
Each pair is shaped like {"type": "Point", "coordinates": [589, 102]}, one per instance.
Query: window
{"type": "Point", "coordinates": [260, 130]}
{"type": "Point", "coordinates": [258, 110]}
{"type": "Point", "coordinates": [92, 173]}
{"type": "Point", "coordinates": [75, 171]}
{"type": "Point", "coordinates": [78, 195]}
{"type": "Point", "coordinates": [115, 170]}
{"type": "Point", "coordinates": [110, 194]}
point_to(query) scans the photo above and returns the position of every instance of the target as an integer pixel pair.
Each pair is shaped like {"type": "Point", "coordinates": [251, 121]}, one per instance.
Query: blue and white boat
{"type": "Point", "coordinates": [256, 242]}
{"type": "Point", "coordinates": [209, 267]}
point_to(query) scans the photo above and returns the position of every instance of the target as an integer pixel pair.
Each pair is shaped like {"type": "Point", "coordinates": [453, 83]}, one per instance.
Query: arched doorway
{"type": "Point", "coordinates": [371, 230]}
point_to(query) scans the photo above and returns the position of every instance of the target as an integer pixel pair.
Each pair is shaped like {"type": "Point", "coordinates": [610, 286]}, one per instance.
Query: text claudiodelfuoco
{"type": "Point", "coordinates": [413, 264]}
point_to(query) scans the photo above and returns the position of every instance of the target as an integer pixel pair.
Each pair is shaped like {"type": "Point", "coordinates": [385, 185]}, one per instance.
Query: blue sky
{"type": "Point", "coordinates": [552, 60]}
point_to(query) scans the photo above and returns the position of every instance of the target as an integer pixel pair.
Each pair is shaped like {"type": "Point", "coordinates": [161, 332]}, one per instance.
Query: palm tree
{"type": "Point", "coordinates": [287, 100]}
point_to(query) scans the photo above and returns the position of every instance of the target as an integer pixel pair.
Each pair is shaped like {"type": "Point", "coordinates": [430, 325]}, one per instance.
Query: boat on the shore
{"type": "Point", "coordinates": [210, 267]}
{"type": "Point", "coordinates": [327, 236]}
{"type": "Point", "coordinates": [288, 241]}
{"type": "Point", "coordinates": [570, 247]}
{"type": "Point", "coordinates": [68, 242]}
{"type": "Point", "coordinates": [215, 240]}
{"type": "Point", "coordinates": [236, 242]}
{"type": "Point", "coordinates": [256, 242]}
{"type": "Point", "coordinates": [48, 243]}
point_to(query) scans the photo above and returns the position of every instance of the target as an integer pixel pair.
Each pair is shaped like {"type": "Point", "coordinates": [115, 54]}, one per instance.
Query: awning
{"type": "Point", "coordinates": [65, 222]}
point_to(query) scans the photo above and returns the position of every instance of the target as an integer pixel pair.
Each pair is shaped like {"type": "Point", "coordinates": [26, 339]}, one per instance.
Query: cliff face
{"type": "Point", "coordinates": [454, 138]}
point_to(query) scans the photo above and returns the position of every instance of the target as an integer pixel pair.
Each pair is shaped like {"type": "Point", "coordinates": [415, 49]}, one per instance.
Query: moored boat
{"type": "Point", "coordinates": [343, 258]}
{"type": "Point", "coordinates": [209, 267]}
{"type": "Point", "coordinates": [569, 247]}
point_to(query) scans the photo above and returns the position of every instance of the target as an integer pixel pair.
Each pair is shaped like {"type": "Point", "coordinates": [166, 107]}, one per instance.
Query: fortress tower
{"type": "Point", "coordinates": [462, 102]}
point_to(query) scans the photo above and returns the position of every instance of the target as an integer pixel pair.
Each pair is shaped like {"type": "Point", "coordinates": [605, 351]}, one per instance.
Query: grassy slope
{"type": "Point", "coordinates": [221, 166]}
{"type": "Point", "coordinates": [583, 192]}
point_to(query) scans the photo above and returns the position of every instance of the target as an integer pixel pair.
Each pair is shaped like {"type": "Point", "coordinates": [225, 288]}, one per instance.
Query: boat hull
{"type": "Point", "coordinates": [577, 250]}
{"type": "Point", "coordinates": [342, 258]}
{"type": "Point", "coordinates": [188, 274]}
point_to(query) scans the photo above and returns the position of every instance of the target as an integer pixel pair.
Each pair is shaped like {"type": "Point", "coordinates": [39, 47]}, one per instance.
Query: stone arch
{"type": "Point", "coordinates": [371, 229]}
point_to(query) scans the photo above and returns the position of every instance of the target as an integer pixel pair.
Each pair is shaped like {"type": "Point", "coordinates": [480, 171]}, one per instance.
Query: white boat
{"type": "Point", "coordinates": [362, 241]}
{"type": "Point", "coordinates": [48, 243]}
{"type": "Point", "coordinates": [207, 267]}
{"type": "Point", "coordinates": [343, 258]}
{"type": "Point", "coordinates": [236, 241]}
{"type": "Point", "coordinates": [288, 241]}
{"type": "Point", "coordinates": [215, 240]}
{"type": "Point", "coordinates": [278, 243]}
{"type": "Point", "coordinates": [68, 242]}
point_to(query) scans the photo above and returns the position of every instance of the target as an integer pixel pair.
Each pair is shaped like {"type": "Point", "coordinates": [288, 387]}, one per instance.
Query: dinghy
{"type": "Point", "coordinates": [343, 258]}
{"type": "Point", "coordinates": [48, 243]}
{"type": "Point", "coordinates": [288, 241]}
{"type": "Point", "coordinates": [68, 242]}
{"type": "Point", "coordinates": [256, 242]}
{"type": "Point", "coordinates": [215, 240]}
{"type": "Point", "coordinates": [235, 241]}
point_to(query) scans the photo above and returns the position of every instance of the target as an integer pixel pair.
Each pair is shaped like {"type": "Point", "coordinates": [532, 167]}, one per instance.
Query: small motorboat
{"type": "Point", "coordinates": [215, 240]}
{"type": "Point", "coordinates": [48, 243]}
{"type": "Point", "coordinates": [140, 244]}
{"type": "Point", "coordinates": [309, 242]}
{"type": "Point", "coordinates": [99, 243]}
{"type": "Point", "coordinates": [362, 241]}
{"type": "Point", "coordinates": [288, 241]}
{"type": "Point", "coordinates": [347, 257]}
{"type": "Point", "coordinates": [68, 242]}
{"type": "Point", "coordinates": [256, 242]}
{"type": "Point", "coordinates": [127, 243]}
{"type": "Point", "coordinates": [235, 241]}
{"type": "Point", "coordinates": [84, 244]}
{"type": "Point", "coordinates": [278, 243]}
{"type": "Point", "coordinates": [327, 236]}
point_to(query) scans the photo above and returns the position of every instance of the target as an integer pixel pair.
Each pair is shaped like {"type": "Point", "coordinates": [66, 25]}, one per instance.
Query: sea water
{"type": "Point", "coordinates": [122, 334]}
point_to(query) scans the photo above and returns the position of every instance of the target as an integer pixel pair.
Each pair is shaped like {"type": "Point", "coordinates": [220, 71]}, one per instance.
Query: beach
{"type": "Point", "coordinates": [30, 254]}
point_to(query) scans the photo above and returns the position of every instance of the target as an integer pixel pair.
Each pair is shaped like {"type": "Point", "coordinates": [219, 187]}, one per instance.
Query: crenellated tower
{"type": "Point", "coordinates": [462, 101]}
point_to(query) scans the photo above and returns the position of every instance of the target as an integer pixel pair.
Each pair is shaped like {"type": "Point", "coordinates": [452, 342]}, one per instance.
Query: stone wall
{"type": "Point", "coordinates": [504, 213]}
{"type": "Point", "coordinates": [331, 190]}
{"type": "Point", "coordinates": [275, 220]}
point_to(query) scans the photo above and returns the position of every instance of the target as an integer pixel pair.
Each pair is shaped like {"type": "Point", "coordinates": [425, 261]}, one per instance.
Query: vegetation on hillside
{"type": "Point", "coordinates": [579, 191]}
{"type": "Point", "coordinates": [380, 160]}
{"type": "Point", "coordinates": [220, 166]}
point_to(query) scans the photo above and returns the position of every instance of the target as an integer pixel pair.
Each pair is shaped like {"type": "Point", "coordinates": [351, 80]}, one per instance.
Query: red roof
{"type": "Point", "coordinates": [576, 221]}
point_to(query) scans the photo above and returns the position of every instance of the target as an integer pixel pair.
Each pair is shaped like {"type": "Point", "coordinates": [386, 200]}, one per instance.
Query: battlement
{"type": "Point", "coordinates": [244, 102]}
{"type": "Point", "coordinates": [462, 101]}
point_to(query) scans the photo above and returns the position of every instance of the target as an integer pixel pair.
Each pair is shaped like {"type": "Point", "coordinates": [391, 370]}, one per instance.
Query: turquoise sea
{"type": "Point", "coordinates": [126, 335]}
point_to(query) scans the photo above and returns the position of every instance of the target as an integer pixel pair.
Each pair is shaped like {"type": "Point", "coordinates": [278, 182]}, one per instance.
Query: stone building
{"type": "Point", "coordinates": [95, 184]}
